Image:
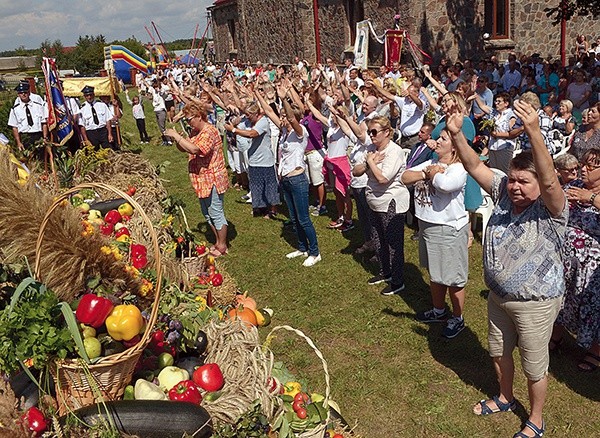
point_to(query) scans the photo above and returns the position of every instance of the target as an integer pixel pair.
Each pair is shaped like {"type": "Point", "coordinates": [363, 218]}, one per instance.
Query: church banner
{"type": "Point", "coordinates": [393, 46]}
{"type": "Point", "coordinates": [361, 45]}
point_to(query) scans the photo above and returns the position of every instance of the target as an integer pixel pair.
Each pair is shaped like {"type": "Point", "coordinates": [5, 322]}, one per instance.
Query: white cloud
{"type": "Point", "coordinates": [28, 23]}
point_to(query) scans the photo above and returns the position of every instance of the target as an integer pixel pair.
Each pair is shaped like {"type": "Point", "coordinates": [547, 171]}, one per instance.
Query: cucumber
{"type": "Point", "coordinates": [150, 418]}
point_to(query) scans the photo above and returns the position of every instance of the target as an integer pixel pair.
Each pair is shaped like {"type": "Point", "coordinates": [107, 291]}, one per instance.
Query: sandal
{"type": "Point", "coordinates": [586, 365]}
{"type": "Point", "coordinates": [554, 344]}
{"type": "Point", "coordinates": [539, 432]}
{"type": "Point", "coordinates": [500, 407]}
{"type": "Point", "coordinates": [217, 253]}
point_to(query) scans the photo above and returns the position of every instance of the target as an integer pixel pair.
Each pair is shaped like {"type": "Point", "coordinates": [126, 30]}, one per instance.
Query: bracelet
{"type": "Point", "coordinates": [424, 175]}
{"type": "Point", "coordinates": [593, 198]}
{"type": "Point", "coordinates": [233, 131]}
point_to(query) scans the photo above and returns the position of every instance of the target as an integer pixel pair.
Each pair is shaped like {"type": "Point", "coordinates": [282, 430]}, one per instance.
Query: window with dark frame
{"type": "Point", "coordinates": [497, 18]}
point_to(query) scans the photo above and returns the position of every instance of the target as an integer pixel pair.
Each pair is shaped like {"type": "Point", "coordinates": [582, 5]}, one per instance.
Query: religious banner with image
{"type": "Point", "coordinates": [361, 45]}
{"type": "Point", "coordinates": [393, 46]}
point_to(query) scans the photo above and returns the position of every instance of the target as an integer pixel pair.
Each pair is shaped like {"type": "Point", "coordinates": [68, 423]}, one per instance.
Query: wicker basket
{"type": "Point", "coordinates": [319, 431]}
{"type": "Point", "coordinates": [79, 384]}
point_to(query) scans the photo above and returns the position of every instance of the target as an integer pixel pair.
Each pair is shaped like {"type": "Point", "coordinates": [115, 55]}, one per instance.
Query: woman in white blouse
{"type": "Point", "coordinates": [292, 178]}
{"type": "Point", "coordinates": [443, 232]}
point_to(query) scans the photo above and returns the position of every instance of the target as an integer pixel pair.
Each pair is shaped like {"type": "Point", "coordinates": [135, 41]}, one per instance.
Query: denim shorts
{"type": "Point", "coordinates": [212, 209]}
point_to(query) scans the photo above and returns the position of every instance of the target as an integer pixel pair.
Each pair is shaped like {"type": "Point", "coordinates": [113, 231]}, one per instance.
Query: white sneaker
{"type": "Point", "coordinates": [296, 253]}
{"type": "Point", "coordinates": [311, 261]}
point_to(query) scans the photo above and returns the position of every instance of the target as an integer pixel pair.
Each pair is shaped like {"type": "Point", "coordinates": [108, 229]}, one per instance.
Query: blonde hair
{"type": "Point", "coordinates": [568, 104]}
{"type": "Point", "coordinates": [457, 99]}
{"type": "Point", "coordinates": [382, 121]}
{"type": "Point", "coordinates": [195, 109]}
{"type": "Point", "coordinates": [532, 99]}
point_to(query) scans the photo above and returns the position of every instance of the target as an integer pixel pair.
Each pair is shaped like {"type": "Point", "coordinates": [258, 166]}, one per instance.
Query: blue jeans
{"type": "Point", "coordinates": [295, 193]}
{"type": "Point", "coordinates": [212, 209]}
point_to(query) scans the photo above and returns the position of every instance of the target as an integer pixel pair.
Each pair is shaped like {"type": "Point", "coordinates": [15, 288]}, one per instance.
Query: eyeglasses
{"type": "Point", "coordinates": [374, 132]}
{"type": "Point", "coordinates": [570, 169]}
{"type": "Point", "coordinates": [189, 119]}
{"type": "Point", "coordinates": [447, 100]}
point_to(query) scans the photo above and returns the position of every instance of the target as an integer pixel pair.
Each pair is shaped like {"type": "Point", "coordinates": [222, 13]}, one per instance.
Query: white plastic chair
{"type": "Point", "coordinates": [485, 210]}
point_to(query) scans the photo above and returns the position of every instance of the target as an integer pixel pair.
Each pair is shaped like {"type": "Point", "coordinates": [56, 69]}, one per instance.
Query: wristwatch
{"type": "Point", "coordinates": [233, 131]}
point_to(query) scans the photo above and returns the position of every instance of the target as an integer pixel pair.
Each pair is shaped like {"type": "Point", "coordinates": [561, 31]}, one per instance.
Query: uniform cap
{"type": "Point", "coordinates": [22, 87]}
{"type": "Point", "coordinates": [87, 90]}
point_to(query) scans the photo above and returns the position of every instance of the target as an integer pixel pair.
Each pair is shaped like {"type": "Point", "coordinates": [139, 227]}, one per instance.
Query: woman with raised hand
{"type": "Point", "coordinates": [522, 264]}
{"type": "Point", "coordinates": [292, 177]}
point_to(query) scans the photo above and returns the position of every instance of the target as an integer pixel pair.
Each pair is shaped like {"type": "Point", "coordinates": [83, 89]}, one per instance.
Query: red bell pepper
{"type": "Point", "coordinates": [35, 421]}
{"type": "Point", "coordinates": [217, 279]}
{"type": "Point", "coordinates": [93, 310]}
{"type": "Point", "coordinates": [139, 258]}
{"type": "Point", "coordinates": [186, 391]}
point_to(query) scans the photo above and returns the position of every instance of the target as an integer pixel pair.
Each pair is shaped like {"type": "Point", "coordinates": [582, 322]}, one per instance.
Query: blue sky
{"type": "Point", "coordinates": [28, 22]}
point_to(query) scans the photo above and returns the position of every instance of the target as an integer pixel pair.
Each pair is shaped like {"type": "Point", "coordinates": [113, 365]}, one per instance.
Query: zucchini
{"type": "Point", "coordinates": [149, 418]}
{"type": "Point", "coordinates": [106, 206]}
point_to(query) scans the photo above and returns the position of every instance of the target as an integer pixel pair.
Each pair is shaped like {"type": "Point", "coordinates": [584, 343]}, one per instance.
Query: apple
{"type": "Point", "coordinates": [126, 209]}
{"type": "Point", "coordinates": [85, 207]}
{"type": "Point", "coordinates": [92, 346]}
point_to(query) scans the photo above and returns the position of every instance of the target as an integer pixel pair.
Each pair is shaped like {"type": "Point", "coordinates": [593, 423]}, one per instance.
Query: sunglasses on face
{"type": "Point", "coordinates": [374, 132]}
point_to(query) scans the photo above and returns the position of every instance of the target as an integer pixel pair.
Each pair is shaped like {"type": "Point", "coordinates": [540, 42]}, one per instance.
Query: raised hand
{"type": "Point", "coordinates": [527, 114]}
{"type": "Point", "coordinates": [454, 122]}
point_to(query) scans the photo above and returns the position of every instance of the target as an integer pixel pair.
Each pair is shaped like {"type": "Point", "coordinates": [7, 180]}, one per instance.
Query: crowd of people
{"type": "Point", "coordinates": [414, 147]}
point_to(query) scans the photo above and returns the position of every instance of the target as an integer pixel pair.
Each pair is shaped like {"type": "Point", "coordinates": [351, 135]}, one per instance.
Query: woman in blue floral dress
{"type": "Point", "coordinates": [581, 256]}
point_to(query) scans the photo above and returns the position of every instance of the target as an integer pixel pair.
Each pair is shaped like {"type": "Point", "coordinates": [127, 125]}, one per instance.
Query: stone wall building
{"type": "Point", "coordinates": [277, 30]}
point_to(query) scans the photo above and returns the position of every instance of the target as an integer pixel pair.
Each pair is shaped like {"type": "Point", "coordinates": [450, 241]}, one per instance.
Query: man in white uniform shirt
{"type": "Point", "coordinates": [27, 119]}
{"type": "Point", "coordinates": [93, 119]}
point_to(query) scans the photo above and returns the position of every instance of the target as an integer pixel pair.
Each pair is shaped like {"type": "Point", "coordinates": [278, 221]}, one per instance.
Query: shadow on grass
{"type": "Point", "coordinates": [464, 355]}
{"type": "Point", "coordinates": [203, 229]}
{"type": "Point", "coordinates": [563, 367]}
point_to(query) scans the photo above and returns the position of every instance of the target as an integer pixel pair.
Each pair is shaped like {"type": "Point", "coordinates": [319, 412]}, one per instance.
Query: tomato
{"type": "Point", "coordinates": [209, 377]}
{"type": "Point", "coordinates": [298, 404]}
{"type": "Point", "coordinates": [301, 413]}
{"type": "Point", "coordinates": [338, 435]}
{"type": "Point", "coordinates": [301, 396]}
{"type": "Point", "coordinates": [157, 336]}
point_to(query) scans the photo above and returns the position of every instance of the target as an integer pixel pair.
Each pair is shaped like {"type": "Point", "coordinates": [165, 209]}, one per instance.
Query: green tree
{"type": "Point", "coordinates": [88, 56]}
{"type": "Point", "coordinates": [567, 9]}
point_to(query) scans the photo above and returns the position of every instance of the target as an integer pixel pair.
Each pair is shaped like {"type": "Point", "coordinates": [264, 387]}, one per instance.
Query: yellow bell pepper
{"type": "Point", "coordinates": [124, 322]}
{"type": "Point", "coordinates": [292, 388]}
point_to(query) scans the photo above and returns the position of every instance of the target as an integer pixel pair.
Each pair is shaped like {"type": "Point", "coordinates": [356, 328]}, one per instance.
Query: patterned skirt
{"type": "Point", "coordinates": [581, 309]}
{"type": "Point", "coordinates": [263, 186]}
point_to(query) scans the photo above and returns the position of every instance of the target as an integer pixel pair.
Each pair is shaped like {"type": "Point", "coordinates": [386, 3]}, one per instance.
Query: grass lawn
{"type": "Point", "coordinates": [391, 375]}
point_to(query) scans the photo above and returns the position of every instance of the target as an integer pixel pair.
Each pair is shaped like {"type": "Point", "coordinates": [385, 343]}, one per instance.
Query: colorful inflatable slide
{"type": "Point", "coordinates": [123, 60]}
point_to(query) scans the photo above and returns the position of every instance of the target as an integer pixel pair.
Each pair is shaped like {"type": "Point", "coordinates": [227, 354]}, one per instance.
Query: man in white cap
{"type": "Point", "coordinates": [93, 119]}
{"type": "Point", "coordinates": [27, 119]}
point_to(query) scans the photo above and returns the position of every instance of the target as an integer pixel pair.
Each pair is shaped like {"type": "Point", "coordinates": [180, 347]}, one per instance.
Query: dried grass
{"type": "Point", "coordinates": [67, 258]}
{"type": "Point", "coordinates": [9, 413]}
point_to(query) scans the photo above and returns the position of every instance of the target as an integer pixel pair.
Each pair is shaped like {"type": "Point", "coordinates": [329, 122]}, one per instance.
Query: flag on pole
{"type": "Point", "coordinates": [58, 113]}
{"type": "Point", "coordinates": [393, 46]}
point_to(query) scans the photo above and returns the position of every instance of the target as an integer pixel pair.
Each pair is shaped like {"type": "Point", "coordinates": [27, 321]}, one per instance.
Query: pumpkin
{"type": "Point", "coordinates": [246, 301]}
{"type": "Point", "coordinates": [245, 314]}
